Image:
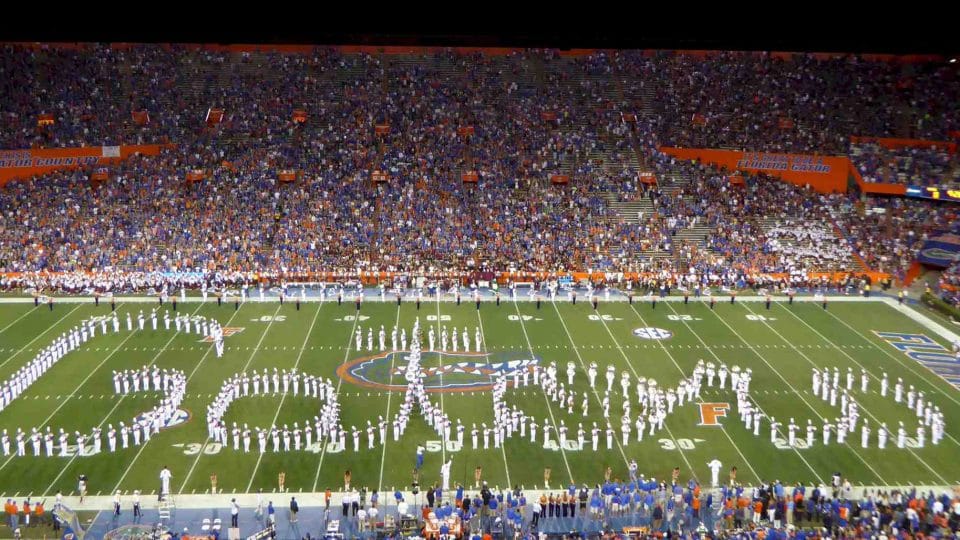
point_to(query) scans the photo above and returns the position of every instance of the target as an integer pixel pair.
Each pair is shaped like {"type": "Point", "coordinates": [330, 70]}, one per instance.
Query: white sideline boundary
{"type": "Point", "coordinates": [306, 499]}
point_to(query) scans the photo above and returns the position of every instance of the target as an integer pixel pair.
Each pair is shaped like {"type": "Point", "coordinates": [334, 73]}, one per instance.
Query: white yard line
{"type": "Point", "coordinates": [14, 355]}
{"type": "Point", "coordinates": [553, 419]}
{"type": "Point", "coordinates": [583, 366]}
{"type": "Point", "coordinates": [253, 353]}
{"type": "Point", "coordinates": [276, 415]}
{"type": "Point", "coordinates": [207, 352]}
{"type": "Point", "coordinates": [346, 356]}
{"type": "Point", "coordinates": [383, 457]}
{"type": "Point", "coordinates": [862, 406]}
{"type": "Point", "coordinates": [75, 390]}
{"type": "Point", "coordinates": [915, 370]}
{"type": "Point", "coordinates": [443, 445]}
{"type": "Point", "coordinates": [117, 404]}
{"type": "Point", "coordinates": [637, 375]}
{"type": "Point", "coordinates": [189, 377]}
{"type": "Point", "coordinates": [910, 366]}
{"type": "Point", "coordinates": [25, 313]}
{"type": "Point", "coordinates": [680, 369]}
{"type": "Point", "coordinates": [794, 390]}
{"type": "Point", "coordinates": [503, 443]}
{"type": "Point", "coordinates": [757, 405]}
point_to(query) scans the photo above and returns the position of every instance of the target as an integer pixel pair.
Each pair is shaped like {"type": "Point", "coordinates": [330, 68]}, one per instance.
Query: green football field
{"type": "Point", "coordinates": [781, 345]}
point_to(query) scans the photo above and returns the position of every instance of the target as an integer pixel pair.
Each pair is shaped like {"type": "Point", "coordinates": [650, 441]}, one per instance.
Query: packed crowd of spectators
{"type": "Point", "coordinates": [806, 245]}
{"type": "Point", "coordinates": [771, 510]}
{"type": "Point", "coordinates": [949, 285]}
{"type": "Point", "coordinates": [514, 121]}
{"type": "Point", "coordinates": [887, 231]}
{"type": "Point", "coordinates": [651, 509]}
{"type": "Point", "coordinates": [809, 104]}
{"type": "Point", "coordinates": [911, 166]}
{"type": "Point", "coordinates": [746, 225]}
{"type": "Point", "coordinates": [758, 101]}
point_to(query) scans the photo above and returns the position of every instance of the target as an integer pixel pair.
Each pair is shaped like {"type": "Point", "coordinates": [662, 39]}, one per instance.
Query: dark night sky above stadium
{"type": "Point", "coordinates": [823, 28]}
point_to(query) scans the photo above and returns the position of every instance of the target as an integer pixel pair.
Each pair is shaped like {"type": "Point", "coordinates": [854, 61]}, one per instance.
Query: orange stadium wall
{"type": "Point", "coordinates": [826, 174]}
{"type": "Point", "coordinates": [19, 164]}
{"type": "Point", "coordinates": [876, 189]}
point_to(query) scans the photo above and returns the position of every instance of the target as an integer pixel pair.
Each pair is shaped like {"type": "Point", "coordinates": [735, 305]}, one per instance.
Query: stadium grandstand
{"type": "Point", "coordinates": [336, 181]}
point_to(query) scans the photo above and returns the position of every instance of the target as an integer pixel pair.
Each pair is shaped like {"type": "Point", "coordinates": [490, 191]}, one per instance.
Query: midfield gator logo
{"type": "Point", "coordinates": [443, 372]}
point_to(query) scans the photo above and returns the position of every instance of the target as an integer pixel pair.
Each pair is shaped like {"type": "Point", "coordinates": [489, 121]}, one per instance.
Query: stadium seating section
{"type": "Point", "coordinates": [443, 161]}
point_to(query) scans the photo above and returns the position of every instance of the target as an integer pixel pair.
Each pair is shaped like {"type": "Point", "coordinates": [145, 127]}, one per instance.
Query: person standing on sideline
{"type": "Point", "coordinates": [714, 472]}
{"type": "Point", "coordinates": [445, 474]}
{"type": "Point", "coordinates": [294, 508]}
{"type": "Point", "coordinates": [165, 477]}
{"type": "Point", "coordinates": [234, 514]}
{"type": "Point", "coordinates": [136, 505]}
{"type": "Point", "coordinates": [116, 503]}
{"type": "Point", "coordinates": [82, 486]}
{"type": "Point", "coordinates": [38, 512]}
{"type": "Point", "coordinates": [213, 484]}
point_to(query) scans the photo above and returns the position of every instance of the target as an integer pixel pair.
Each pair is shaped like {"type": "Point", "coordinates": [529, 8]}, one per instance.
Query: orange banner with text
{"type": "Point", "coordinates": [18, 164]}
{"type": "Point", "coordinates": [826, 174]}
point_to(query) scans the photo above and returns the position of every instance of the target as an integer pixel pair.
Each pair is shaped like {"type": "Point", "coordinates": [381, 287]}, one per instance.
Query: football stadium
{"type": "Point", "coordinates": [381, 291]}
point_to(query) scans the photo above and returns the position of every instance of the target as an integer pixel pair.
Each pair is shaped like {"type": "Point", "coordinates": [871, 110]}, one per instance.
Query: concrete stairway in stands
{"type": "Point", "coordinates": [627, 211]}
